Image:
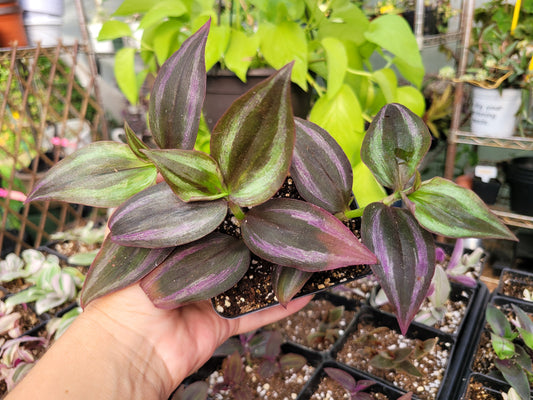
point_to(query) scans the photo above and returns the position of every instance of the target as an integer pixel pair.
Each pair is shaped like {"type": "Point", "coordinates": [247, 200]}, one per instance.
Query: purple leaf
{"type": "Point", "coordinates": [440, 254]}
{"type": "Point", "coordinates": [320, 169]}
{"type": "Point", "coordinates": [197, 271]}
{"type": "Point", "coordinates": [406, 255]}
{"type": "Point", "coordinates": [254, 140]}
{"type": "Point", "coordinates": [298, 234]}
{"type": "Point", "coordinates": [156, 217]}
{"type": "Point", "coordinates": [191, 174]}
{"type": "Point", "coordinates": [116, 267]}
{"type": "Point", "coordinates": [342, 377]}
{"type": "Point", "coordinates": [287, 282]}
{"type": "Point", "coordinates": [457, 253]}
{"type": "Point", "coordinates": [394, 145]}
{"type": "Point", "coordinates": [447, 209]}
{"type": "Point", "coordinates": [101, 174]}
{"type": "Point", "coordinates": [178, 94]}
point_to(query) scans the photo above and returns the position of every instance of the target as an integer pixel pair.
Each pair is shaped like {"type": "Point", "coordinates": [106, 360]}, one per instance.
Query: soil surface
{"type": "Point", "coordinates": [282, 386]}
{"type": "Point", "coordinates": [514, 284]}
{"type": "Point", "coordinates": [329, 389]}
{"type": "Point", "coordinates": [254, 291]}
{"type": "Point", "coordinates": [298, 327]}
{"type": "Point", "coordinates": [367, 341]}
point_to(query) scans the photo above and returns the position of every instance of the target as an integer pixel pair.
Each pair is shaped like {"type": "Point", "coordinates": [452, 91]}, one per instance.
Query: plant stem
{"type": "Point", "coordinates": [236, 210]}
{"type": "Point", "coordinates": [389, 200]}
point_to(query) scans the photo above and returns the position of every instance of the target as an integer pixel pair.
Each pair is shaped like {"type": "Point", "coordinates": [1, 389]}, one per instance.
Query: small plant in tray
{"type": "Point", "coordinates": [514, 361]}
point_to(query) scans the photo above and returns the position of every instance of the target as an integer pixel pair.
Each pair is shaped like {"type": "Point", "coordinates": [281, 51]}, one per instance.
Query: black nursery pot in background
{"type": "Point", "coordinates": [488, 191]}
{"type": "Point", "coordinates": [519, 175]}
{"type": "Point", "coordinates": [224, 87]}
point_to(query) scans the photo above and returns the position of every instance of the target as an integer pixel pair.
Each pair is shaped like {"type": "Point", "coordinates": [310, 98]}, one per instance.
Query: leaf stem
{"type": "Point", "coordinates": [390, 199]}
{"type": "Point", "coordinates": [236, 210]}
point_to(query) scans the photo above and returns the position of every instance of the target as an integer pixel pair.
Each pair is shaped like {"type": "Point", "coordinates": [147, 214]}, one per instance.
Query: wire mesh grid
{"type": "Point", "coordinates": [46, 111]}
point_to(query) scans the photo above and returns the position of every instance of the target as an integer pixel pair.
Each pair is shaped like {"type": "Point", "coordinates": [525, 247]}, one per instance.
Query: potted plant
{"type": "Point", "coordinates": [503, 353]}
{"type": "Point", "coordinates": [335, 65]}
{"type": "Point", "coordinates": [216, 215]}
{"type": "Point", "coordinates": [500, 67]}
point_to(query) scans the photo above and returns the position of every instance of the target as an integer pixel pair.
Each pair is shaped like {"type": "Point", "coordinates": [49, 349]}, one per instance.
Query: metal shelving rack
{"type": "Point", "coordinates": [459, 135]}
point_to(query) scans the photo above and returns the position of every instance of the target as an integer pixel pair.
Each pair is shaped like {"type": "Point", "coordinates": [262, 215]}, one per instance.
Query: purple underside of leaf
{"type": "Point", "coordinates": [320, 169]}
{"type": "Point", "coordinates": [287, 282]}
{"type": "Point", "coordinates": [197, 271]}
{"type": "Point", "coordinates": [156, 217]}
{"type": "Point", "coordinates": [445, 208]}
{"type": "Point", "coordinates": [116, 267]}
{"type": "Point", "coordinates": [406, 255]}
{"type": "Point", "coordinates": [298, 234]}
{"type": "Point", "coordinates": [102, 174]}
{"type": "Point", "coordinates": [254, 140]}
{"type": "Point", "coordinates": [394, 145]}
{"type": "Point", "coordinates": [178, 93]}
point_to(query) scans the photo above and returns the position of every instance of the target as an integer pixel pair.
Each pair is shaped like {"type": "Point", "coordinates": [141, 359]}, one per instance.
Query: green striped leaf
{"type": "Point", "coordinates": [156, 217]}
{"type": "Point", "coordinates": [191, 174]}
{"type": "Point", "coordinates": [253, 141]}
{"type": "Point", "coordinates": [197, 271]}
{"type": "Point", "coordinates": [447, 209]}
{"type": "Point", "coordinates": [116, 267]}
{"type": "Point", "coordinates": [101, 174]}
{"type": "Point", "coordinates": [395, 144]}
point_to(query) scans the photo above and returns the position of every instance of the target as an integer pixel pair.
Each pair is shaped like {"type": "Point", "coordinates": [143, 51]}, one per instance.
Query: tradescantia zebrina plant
{"type": "Point", "coordinates": [168, 235]}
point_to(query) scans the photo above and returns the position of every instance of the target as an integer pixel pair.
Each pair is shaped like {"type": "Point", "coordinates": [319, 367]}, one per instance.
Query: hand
{"type": "Point", "coordinates": [183, 338]}
{"type": "Point", "coordinates": [122, 346]}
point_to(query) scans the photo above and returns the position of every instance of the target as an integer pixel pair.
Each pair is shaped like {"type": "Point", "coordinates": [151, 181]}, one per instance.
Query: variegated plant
{"type": "Point", "coordinates": [167, 235]}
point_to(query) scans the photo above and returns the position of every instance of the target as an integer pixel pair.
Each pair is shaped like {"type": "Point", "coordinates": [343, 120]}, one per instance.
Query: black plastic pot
{"type": "Point", "coordinates": [432, 19]}
{"type": "Point", "coordinates": [323, 300]}
{"type": "Point", "coordinates": [391, 392]}
{"type": "Point", "coordinates": [514, 279]}
{"type": "Point", "coordinates": [493, 378]}
{"type": "Point", "coordinates": [479, 385]}
{"type": "Point", "coordinates": [224, 87]}
{"type": "Point", "coordinates": [519, 175]}
{"type": "Point", "coordinates": [376, 318]}
{"type": "Point", "coordinates": [487, 191]}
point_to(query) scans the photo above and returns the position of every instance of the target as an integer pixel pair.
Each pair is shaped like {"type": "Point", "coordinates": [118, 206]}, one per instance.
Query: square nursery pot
{"type": "Point", "coordinates": [488, 191]}
{"type": "Point", "coordinates": [513, 283]}
{"type": "Point", "coordinates": [322, 387]}
{"type": "Point", "coordinates": [482, 360]}
{"type": "Point", "coordinates": [319, 324]}
{"type": "Point", "coordinates": [254, 291]}
{"type": "Point", "coordinates": [285, 385]}
{"type": "Point", "coordinates": [479, 387]}
{"type": "Point", "coordinates": [373, 331]}
{"type": "Point", "coordinates": [464, 309]}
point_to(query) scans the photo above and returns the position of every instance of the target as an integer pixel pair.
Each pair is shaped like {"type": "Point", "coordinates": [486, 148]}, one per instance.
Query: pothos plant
{"type": "Point", "coordinates": [168, 237]}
